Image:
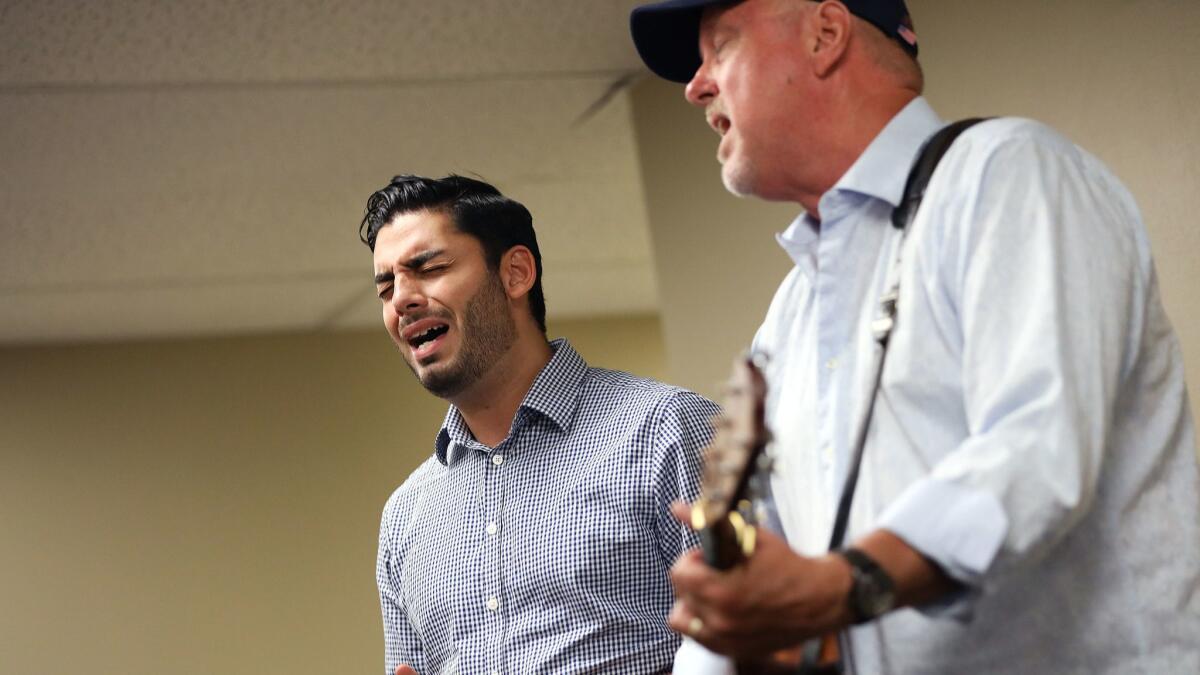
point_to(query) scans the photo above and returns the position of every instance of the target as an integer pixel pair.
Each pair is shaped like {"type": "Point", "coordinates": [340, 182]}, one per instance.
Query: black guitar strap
{"type": "Point", "coordinates": [914, 191]}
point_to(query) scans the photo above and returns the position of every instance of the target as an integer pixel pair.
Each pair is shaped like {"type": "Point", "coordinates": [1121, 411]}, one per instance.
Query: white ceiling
{"type": "Point", "coordinates": [200, 168]}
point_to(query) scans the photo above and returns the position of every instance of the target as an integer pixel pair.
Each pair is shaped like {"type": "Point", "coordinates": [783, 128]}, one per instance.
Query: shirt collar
{"type": "Point", "coordinates": [554, 395]}
{"type": "Point", "coordinates": [882, 169]}
{"type": "Point", "coordinates": [880, 172]}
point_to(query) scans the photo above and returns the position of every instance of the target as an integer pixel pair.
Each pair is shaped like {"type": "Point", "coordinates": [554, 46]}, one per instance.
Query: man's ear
{"type": "Point", "coordinates": [830, 25]}
{"type": "Point", "coordinates": [518, 271]}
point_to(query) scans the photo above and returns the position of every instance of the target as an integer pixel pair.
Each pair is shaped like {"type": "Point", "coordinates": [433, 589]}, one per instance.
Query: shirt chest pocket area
{"type": "Point", "coordinates": [598, 536]}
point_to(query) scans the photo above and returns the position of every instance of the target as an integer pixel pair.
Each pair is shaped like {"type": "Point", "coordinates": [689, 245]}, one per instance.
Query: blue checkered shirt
{"type": "Point", "coordinates": [548, 553]}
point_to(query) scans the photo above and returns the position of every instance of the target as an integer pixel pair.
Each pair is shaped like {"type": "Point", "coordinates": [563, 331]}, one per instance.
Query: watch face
{"type": "Point", "coordinates": [873, 592]}
{"type": "Point", "coordinates": [874, 600]}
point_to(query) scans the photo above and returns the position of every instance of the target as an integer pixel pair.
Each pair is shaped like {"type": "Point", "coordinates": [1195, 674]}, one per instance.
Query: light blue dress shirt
{"type": "Point", "coordinates": [1032, 434]}
{"type": "Point", "coordinates": [549, 552]}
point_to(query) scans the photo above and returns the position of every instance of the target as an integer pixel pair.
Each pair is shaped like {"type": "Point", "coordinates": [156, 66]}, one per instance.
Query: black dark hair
{"type": "Point", "coordinates": [475, 207]}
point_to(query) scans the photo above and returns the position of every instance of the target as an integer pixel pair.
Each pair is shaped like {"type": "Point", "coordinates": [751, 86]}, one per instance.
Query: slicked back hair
{"type": "Point", "coordinates": [475, 207]}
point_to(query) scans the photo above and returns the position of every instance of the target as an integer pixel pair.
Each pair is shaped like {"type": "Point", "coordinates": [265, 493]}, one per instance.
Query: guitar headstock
{"type": "Point", "coordinates": [730, 462]}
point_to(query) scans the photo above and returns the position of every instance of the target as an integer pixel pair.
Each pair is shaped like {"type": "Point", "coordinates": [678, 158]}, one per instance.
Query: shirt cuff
{"type": "Point", "coordinates": [959, 528]}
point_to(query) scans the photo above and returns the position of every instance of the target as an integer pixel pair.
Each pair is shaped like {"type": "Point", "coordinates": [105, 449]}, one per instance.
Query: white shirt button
{"type": "Point", "coordinates": [497, 459]}
{"type": "Point", "coordinates": [831, 364]}
{"type": "Point", "coordinates": [491, 528]}
{"type": "Point", "coordinates": [493, 603]}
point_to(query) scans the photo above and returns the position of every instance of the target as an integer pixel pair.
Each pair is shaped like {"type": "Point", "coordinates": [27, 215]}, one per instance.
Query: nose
{"type": "Point", "coordinates": [407, 297]}
{"type": "Point", "coordinates": [701, 90]}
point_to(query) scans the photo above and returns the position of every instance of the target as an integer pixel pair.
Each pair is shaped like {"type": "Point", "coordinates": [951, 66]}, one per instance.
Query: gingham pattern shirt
{"type": "Point", "coordinates": [548, 553]}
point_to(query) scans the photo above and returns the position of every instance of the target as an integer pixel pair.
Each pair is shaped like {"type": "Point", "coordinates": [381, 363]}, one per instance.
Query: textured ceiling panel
{"type": "Point", "coordinates": [152, 41]}
{"type": "Point", "coordinates": [158, 177]}
{"type": "Point", "coordinates": [160, 156]}
{"type": "Point", "coordinates": [143, 190]}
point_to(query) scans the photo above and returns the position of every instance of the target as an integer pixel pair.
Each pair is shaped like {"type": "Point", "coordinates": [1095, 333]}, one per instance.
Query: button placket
{"type": "Point", "coordinates": [829, 332]}
{"type": "Point", "coordinates": [494, 596]}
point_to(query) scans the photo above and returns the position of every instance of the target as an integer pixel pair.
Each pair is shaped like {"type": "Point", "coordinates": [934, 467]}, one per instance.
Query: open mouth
{"type": "Point", "coordinates": [719, 123]}
{"type": "Point", "coordinates": [425, 342]}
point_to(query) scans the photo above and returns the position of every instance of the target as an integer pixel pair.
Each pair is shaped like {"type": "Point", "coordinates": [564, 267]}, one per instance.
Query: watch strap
{"type": "Point", "coordinates": [872, 591]}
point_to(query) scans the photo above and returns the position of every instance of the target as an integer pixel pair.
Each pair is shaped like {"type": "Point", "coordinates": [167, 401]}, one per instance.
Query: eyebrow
{"type": "Point", "coordinates": [412, 263]}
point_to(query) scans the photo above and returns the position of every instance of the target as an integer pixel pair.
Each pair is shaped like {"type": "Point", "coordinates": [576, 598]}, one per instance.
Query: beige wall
{"type": "Point", "coordinates": [1118, 77]}
{"type": "Point", "coordinates": [212, 506]}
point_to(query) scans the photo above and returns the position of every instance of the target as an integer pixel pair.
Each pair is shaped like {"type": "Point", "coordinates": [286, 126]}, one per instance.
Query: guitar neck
{"type": "Point", "coordinates": [719, 543]}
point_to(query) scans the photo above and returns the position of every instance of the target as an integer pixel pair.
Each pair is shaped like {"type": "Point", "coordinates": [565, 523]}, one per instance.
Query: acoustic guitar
{"type": "Point", "coordinates": [736, 468]}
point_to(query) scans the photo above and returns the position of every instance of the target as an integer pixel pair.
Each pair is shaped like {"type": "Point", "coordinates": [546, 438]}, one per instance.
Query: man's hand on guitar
{"type": "Point", "coordinates": [774, 600]}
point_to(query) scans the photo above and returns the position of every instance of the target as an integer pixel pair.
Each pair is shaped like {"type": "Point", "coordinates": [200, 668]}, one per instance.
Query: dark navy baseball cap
{"type": "Point", "coordinates": [667, 34]}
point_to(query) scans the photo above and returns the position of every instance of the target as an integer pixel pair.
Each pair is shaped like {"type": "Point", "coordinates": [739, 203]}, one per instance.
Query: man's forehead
{"type": "Point", "coordinates": [719, 18]}
{"type": "Point", "coordinates": [415, 233]}
{"type": "Point", "coordinates": [715, 16]}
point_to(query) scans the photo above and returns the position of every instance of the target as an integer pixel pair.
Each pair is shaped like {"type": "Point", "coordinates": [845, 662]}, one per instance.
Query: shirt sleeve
{"type": "Point", "coordinates": [402, 645]}
{"type": "Point", "coordinates": [682, 430]}
{"type": "Point", "coordinates": [1045, 264]}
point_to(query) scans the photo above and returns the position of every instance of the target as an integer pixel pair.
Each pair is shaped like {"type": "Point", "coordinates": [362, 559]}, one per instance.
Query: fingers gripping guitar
{"type": "Point", "coordinates": [746, 593]}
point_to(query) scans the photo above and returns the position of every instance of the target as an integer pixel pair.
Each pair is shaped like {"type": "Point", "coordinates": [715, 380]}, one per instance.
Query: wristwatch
{"type": "Point", "coordinates": [872, 592]}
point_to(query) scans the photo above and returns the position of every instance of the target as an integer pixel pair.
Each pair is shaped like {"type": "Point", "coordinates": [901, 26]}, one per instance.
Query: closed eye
{"type": "Point", "coordinates": [721, 40]}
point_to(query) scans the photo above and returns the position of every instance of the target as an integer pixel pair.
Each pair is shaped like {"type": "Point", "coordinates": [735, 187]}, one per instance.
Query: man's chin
{"type": "Point", "coordinates": [435, 377]}
{"type": "Point", "coordinates": [442, 381]}
{"type": "Point", "coordinates": [737, 179]}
